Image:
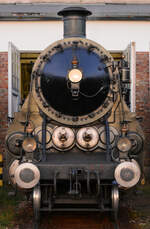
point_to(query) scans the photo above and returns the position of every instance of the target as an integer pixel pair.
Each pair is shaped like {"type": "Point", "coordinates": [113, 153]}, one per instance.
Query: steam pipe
{"type": "Point", "coordinates": [44, 138]}
{"type": "Point", "coordinates": [108, 157]}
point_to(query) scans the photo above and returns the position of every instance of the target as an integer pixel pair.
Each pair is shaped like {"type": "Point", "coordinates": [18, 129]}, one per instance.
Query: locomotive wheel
{"type": "Point", "coordinates": [115, 200]}
{"type": "Point", "coordinates": [36, 205]}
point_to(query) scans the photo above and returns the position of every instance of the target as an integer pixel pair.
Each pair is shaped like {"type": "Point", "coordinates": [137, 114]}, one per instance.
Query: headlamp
{"type": "Point", "coordinates": [29, 144]}
{"type": "Point", "coordinates": [124, 144]}
{"type": "Point", "coordinates": [75, 75]}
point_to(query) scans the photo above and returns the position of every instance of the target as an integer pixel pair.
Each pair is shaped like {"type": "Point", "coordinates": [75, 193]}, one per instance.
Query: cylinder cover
{"type": "Point", "coordinates": [63, 138]}
{"type": "Point", "coordinates": [113, 133]}
{"type": "Point", "coordinates": [14, 143]}
{"type": "Point", "coordinates": [87, 137]}
{"type": "Point", "coordinates": [38, 134]}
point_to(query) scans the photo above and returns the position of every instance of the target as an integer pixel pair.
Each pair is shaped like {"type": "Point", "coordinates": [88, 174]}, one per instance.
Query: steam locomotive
{"type": "Point", "coordinates": [75, 143]}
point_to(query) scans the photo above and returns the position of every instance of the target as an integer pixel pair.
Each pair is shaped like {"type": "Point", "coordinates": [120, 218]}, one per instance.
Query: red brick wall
{"type": "Point", "coordinates": [143, 98]}
{"type": "Point", "coordinates": [3, 98]}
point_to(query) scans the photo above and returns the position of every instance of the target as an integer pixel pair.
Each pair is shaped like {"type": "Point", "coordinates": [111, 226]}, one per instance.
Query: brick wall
{"type": "Point", "coordinates": [3, 98]}
{"type": "Point", "coordinates": [142, 99]}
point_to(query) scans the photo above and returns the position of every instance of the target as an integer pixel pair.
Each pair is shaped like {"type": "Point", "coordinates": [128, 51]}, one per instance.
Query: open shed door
{"type": "Point", "coordinates": [130, 57]}
{"type": "Point", "coordinates": [13, 80]}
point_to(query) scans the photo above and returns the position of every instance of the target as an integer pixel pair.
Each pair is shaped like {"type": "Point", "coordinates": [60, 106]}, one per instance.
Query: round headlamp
{"type": "Point", "coordinates": [124, 144]}
{"type": "Point", "coordinates": [29, 144]}
{"type": "Point", "coordinates": [75, 75]}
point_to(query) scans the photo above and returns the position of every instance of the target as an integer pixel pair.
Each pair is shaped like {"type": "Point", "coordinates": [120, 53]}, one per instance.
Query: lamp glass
{"type": "Point", "coordinates": [29, 144]}
{"type": "Point", "coordinates": [75, 75]}
{"type": "Point", "coordinates": [124, 144]}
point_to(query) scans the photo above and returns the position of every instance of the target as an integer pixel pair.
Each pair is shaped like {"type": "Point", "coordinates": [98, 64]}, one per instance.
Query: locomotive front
{"type": "Point", "coordinates": [75, 141]}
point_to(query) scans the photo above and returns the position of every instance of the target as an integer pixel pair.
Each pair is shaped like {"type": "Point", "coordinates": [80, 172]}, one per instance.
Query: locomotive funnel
{"type": "Point", "coordinates": [74, 21]}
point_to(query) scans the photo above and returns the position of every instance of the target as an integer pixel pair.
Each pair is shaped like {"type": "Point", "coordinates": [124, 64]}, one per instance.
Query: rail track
{"type": "Point", "coordinates": [74, 220]}
{"type": "Point", "coordinates": [86, 220]}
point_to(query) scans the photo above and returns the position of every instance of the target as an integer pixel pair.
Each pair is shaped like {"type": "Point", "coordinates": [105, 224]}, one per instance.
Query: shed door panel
{"type": "Point", "coordinates": [130, 57]}
{"type": "Point", "coordinates": [13, 79]}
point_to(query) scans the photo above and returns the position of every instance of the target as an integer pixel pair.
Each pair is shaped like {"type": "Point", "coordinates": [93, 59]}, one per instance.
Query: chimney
{"type": "Point", "coordinates": [74, 21]}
